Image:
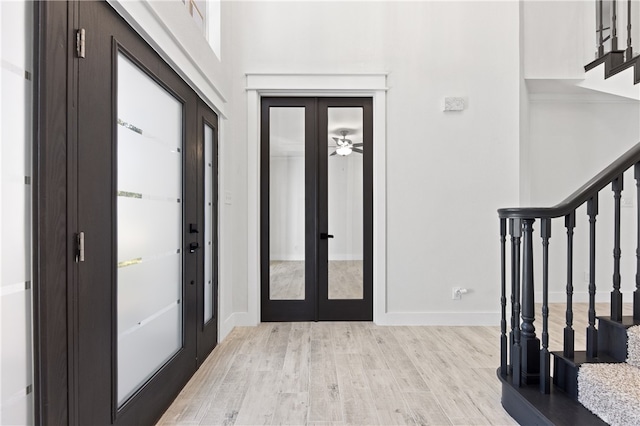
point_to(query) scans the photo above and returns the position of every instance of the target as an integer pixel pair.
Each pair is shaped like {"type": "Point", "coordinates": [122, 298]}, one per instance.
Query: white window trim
{"type": "Point", "coordinates": [321, 85]}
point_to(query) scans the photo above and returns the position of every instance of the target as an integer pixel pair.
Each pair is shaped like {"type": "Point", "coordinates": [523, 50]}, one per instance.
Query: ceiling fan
{"type": "Point", "coordinates": [345, 146]}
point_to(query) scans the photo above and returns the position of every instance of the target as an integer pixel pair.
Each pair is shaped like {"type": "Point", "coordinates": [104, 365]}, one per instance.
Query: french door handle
{"type": "Point", "coordinates": [324, 236]}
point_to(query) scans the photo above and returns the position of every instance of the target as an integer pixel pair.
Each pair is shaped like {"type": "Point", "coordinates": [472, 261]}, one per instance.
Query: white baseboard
{"type": "Point", "coordinates": [439, 318]}
{"type": "Point", "coordinates": [236, 319]}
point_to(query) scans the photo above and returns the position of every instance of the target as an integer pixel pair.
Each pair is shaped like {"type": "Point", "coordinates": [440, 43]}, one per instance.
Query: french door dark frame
{"type": "Point", "coordinates": [316, 306]}
{"type": "Point", "coordinates": [75, 337]}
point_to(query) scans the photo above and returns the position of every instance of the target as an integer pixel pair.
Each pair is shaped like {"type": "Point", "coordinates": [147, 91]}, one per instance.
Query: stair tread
{"type": "Point", "coordinates": [627, 321]}
{"type": "Point", "coordinates": [580, 357]}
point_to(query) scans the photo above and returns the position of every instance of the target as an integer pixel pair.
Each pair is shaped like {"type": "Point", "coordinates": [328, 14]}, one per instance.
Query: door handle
{"type": "Point", "coordinates": [193, 247]}
{"type": "Point", "coordinates": [324, 236]}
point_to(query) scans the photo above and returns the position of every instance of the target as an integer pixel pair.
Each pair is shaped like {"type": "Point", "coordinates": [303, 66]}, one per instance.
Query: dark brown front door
{"type": "Point", "coordinates": [316, 209]}
{"type": "Point", "coordinates": [145, 316]}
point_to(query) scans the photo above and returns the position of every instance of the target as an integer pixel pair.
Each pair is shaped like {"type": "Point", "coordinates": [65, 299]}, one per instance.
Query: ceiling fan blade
{"type": "Point", "coordinates": [332, 154]}
{"type": "Point", "coordinates": [335, 139]}
{"type": "Point", "coordinates": [358, 144]}
{"type": "Point", "coordinates": [358, 150]}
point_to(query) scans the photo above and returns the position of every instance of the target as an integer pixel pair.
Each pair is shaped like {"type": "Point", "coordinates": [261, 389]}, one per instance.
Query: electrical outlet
{"type": "Point", "coordinates": [456, 294]}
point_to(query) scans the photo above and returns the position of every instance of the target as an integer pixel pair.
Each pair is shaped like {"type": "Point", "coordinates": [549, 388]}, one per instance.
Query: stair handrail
{"type": "Point", "coordinates": [579, 197]}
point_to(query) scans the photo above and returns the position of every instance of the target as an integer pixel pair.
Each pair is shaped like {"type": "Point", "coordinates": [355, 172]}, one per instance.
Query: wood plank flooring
{"type": "Point", "coordinates": [343, 373]}
{"type": "Point", "coordinates": [339, 373]}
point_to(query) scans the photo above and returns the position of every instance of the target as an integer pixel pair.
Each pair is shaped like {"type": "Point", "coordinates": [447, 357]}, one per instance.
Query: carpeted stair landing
{"type": "Point", "coordinates": [612, 391]}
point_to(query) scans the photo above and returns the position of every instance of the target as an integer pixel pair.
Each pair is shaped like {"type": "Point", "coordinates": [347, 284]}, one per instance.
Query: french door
{"type": "Point", "coordinates": [316, 209]}
{"type": "Point", "coordinates": [142, 185]}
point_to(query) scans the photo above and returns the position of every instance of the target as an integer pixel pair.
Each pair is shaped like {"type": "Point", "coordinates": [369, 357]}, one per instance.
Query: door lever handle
{"type": "Point", "coordinates": [324, 236]}
{"type": "Point", "coordinates": [193, 247]}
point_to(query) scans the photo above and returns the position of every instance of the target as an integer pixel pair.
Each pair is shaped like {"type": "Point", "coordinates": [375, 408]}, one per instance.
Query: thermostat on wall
{"type": "Point", "coordinates": [453, 104]}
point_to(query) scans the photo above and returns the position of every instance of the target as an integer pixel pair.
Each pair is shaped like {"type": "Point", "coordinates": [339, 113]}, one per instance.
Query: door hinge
{"type": "Point", "coordinates": [80, 247]}
{"type": "Point", "coordinates": [80, 43]}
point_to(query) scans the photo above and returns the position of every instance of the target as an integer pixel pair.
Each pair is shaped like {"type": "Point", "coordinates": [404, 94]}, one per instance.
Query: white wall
{"type": "Point", "coordinates": [558, 38]}
{"type": "Point", "coordinates": [16, 91]}
{"type": "Point", "coordinates": [571, 140]}
{"type": "Point", "coordinates": [447, 172]}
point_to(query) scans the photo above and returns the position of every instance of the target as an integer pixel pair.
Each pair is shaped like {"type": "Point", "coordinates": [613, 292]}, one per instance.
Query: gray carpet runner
{"type": "Point", "coordinates": [612, 391]}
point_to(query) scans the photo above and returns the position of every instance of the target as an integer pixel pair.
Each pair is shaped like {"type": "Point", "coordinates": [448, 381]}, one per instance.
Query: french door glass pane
{"type": "Point", "coordinates": [16, 90]}
{"type": "Point", "coordinates": [345, 203]}
{"type": "Point", "coordinates": [286, 203]}
{"type": "Point", "coordinates": [209, 266]}
{"type": "Point", "coordinates": [149, 205]}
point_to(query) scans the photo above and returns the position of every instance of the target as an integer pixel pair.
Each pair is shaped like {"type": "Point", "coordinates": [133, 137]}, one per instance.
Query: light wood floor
{"type": "Point", "coordinates": [355, 373]}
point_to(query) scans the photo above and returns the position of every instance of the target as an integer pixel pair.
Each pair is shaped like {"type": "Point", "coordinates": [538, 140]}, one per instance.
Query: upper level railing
{"type": "Point", "coordinates": [614, 19]}
{"type": "Point", "coordinates": [521, 354]}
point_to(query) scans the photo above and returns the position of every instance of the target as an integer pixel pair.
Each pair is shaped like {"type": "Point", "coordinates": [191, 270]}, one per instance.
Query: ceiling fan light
{"type": "Point", "coordinates": [343, 150]}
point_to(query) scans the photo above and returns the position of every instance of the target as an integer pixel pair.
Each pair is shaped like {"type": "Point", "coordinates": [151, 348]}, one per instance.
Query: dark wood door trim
{"type": "Point", "coordinates": [54, 140]}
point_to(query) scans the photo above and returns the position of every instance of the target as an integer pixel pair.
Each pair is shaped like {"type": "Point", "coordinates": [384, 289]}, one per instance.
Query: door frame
{"type": "Point", "coordinates": [260, 85]}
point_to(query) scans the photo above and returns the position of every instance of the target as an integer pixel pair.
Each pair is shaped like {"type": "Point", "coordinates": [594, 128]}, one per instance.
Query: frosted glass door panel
{"type": "Point", "coordinates": [345, 203]}
{"type": "Point", "coordinates": [149, 200]}
{"type": "Point", "coordinates": [287, 203]}
{"type": "Point", "coordinates": [209, 265]}
{"type": "Point", "coordinates": [139, 222]}
{"type": "Point", "coordinates": [16, 91]}
{"type": "Point", "coordinates": [149, 346]}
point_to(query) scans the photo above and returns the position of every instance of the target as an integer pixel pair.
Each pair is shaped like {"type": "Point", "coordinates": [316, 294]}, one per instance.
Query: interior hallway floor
{"type": "Point", "coordinates": [346, 373]}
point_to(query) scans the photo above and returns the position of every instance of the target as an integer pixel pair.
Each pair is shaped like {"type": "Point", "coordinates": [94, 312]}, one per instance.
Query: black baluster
{"type": "Point", "coordinates": [614, 25]}
{"type": "Point", "coordinates": [629, 52]}
{"type": "Point", "coordinates": [592, 332]}
{"type": "Point", "coordinates": [530, 343]}
{"type": "Point", "coordinates": [516, 350]}
{"type": "Point", "coordinates": [616, 296]}
{"type": "Point", "coordinates": [569, 333]}
{"type": "Point", "coordinates": [636, 293]}
{"type": "Point", "coordinates": [503, 298]}
{"type": "Point", "coordinates": [514, 276]}
{"type": "Point", "coordinates": [600, 30]}
{"type": "Point", "coordinates": [545, 361]}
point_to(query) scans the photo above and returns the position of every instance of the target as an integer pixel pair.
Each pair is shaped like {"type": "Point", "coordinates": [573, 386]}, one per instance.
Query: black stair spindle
{"type": "Point", "coordinates": [514, 273]}
{"type": "Point", "coordinates": [636, 293]}
{"type": "Point", "coordinates": [600, 28]}
{"type": "Point", "coordinates": [545, 361]}
{"type": "Point", "coordinates": [614, 25]}
{"type": "Point", "coordinates": [529, 342]}
{"type": "Point", "coordinates": [616, 296]}
{"type": "Point", "coordinates": [569, 333]}
{"type": "Point", "coordinates": [503, 298]}
{"type": "Point", "coordinates": [629, 51]}
{"type": "Point", "coordinates": [592, 332]}
{"type": "Point", "coordinates": [515, 226]}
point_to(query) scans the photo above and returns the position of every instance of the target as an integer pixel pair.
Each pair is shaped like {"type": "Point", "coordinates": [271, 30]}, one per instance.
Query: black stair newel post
{"type": "Point", "coordinates": [545, 362]}
{"type": "Point", "coordinates": [530, 343]}
{"type": "Point", "coordinates": [636, 293]}
{"type": "Point", "coordinates": [569, 333]}
{"type": "Point", "coordinates": [616, 296]}
{"type": "Point", "coordinates": [503, 298]}
{"type": "Point", "coordinates": [592, 332]}
{"type": "Point", "coordinates": [515, 229]}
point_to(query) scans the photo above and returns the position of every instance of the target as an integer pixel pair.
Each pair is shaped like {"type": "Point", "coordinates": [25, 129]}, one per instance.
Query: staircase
{"type": "Point", "coordinates": [531, 394]}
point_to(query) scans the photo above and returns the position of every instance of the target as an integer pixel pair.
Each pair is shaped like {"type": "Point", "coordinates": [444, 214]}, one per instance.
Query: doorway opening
{"type": "Point", "coordinates": [316, 209]}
